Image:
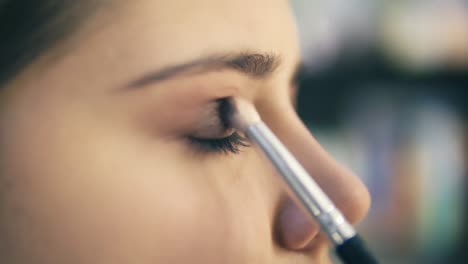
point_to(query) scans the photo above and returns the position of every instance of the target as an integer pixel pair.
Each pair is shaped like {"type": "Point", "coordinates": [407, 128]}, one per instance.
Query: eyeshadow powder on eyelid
{"type": "Point", "coordinates": [211, 124]}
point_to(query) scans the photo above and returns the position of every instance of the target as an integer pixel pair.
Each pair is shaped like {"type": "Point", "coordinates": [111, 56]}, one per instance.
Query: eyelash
{"type": "Point", "coordinates": [231, 144]}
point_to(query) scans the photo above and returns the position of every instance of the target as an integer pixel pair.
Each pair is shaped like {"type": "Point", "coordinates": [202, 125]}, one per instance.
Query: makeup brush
{"type": "Point", "coordinates": [349, 246]}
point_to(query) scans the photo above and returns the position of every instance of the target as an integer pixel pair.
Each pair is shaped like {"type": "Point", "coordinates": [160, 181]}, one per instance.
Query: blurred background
{"type": "Point", "coordinates": [385, 90]}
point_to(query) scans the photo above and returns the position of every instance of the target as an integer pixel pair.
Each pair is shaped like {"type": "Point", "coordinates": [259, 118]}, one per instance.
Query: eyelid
{"type": "Point", "coordinates": [231, 144]}
{"type": "Point", "coordinates": [213, 133]}
{"type": "Point", "coordinates": [214, 121]}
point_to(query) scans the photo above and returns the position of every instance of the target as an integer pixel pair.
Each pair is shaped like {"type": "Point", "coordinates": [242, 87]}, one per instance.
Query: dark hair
{"type": "Point", "coordinates": [28, 28]}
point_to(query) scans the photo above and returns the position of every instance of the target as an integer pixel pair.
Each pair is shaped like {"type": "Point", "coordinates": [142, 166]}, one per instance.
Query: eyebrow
{"type": "Point", "coordinates": [254, 65]}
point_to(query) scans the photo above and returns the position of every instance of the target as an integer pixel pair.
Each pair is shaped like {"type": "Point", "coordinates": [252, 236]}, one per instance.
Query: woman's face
{"type": "Point", "coordinates": [112, 152]}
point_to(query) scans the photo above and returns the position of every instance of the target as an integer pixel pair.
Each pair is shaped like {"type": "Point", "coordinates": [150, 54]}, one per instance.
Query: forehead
{"type": "Point", "coordinates": [137, 36]}
{"type": "Point", "coordinates": [215, 23]}
{"type": "Point", "coordinates": [187, 28]}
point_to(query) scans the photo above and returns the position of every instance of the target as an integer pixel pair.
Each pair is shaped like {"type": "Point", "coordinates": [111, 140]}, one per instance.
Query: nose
{"type": "Point", "coordinates": [295, 229]}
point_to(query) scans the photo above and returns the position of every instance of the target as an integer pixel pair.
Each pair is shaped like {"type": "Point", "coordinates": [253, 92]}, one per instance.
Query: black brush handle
{"type": "Point", "coordinates": [354, 251]}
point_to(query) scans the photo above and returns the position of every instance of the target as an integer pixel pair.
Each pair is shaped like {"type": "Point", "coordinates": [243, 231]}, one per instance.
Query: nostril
{"type": "Point", "coordinates": [295, 230]}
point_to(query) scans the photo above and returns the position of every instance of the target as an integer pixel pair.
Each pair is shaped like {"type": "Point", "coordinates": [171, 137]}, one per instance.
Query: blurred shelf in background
{"type": "Point", "coordinates": [385, 91]}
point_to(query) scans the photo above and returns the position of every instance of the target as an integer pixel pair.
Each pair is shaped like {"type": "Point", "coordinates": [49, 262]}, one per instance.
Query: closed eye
{"type": "Point", "coordinates": [231, 144]}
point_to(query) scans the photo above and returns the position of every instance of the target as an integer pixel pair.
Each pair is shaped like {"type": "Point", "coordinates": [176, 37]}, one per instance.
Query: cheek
{"type": "Point", "coordinates": [98, 199]}
{"type": "Point", "coordinates": [96, 195]}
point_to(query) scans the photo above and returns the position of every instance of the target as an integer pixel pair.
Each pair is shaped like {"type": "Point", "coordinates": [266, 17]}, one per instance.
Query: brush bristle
{"type": "Point", "coordinates": [244, 114]}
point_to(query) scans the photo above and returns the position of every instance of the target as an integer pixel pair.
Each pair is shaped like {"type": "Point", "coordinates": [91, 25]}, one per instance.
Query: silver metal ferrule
{"type": "Point", "coordinates": [302, 185]}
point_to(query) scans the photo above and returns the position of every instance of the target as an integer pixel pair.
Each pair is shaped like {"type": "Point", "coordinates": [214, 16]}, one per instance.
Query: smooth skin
{"type": "Point", "coordinates": [94, 172]}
